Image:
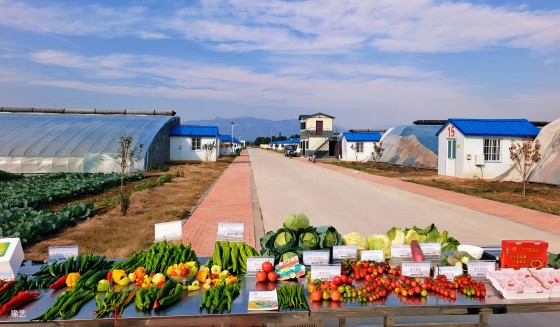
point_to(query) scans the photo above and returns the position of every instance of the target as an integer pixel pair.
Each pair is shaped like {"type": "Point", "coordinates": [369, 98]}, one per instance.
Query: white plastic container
{"type": "Point", "coordinates": [11, 257]}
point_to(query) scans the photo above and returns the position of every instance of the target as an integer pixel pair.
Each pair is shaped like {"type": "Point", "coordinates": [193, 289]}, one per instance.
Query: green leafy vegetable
{"type": "Point", "coordinates": [356, 239]}
{"type": "Point", "coordinates": [308, 239]}
{"type": "Point", "coordinates": [396, 235]}
{"type": "Point", "coordinates": [328, 237]}
{"type": "Point", "coordinates": [296, 221]}
{"type": "Point", "coordinates": [379, 242]}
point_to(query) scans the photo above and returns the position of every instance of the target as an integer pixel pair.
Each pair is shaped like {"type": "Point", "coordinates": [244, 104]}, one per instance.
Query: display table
{"type": "Point", "coordinates": [187, 312]}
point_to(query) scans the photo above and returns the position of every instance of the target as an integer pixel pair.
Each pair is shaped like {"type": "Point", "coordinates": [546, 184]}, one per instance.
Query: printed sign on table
{"type": "Point", "coordinates": [169, 231]}
{"type": "Point", "coordinates": [400, 251]}
{"type": "Point", "coordinates": [325, 272]}
{"type": "Point", "coordinates": [316, 258]}
{"type": "Point", "coordinates": [344, 252]}
{"type": "Point", "coordinates": [372, 255]}
{"type": "Point", "coordinates": [230, 232]}
{"type": "Point", "coordinates": [449, 271]}
{"type": "Point", "coordinates": [416, 269]}
{"type": "Point", "coordinates": [478, 268]}
{"type": "Point", "coordinates": [432, 249]}
{"type": "Point", "coordinates": [62, 252]}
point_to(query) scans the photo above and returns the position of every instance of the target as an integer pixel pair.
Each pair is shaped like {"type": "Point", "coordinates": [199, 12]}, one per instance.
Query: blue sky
{"type": "Point", "coordinates": [368, 63]}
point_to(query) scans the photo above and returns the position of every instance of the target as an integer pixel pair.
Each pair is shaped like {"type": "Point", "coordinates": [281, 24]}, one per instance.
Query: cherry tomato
{"type": "Point", "coordinates": [261, 276]}
{"type": "Point", "coordinates": [316, 295]}
{"type": "Point", "coordinates": [337, 280]}
{"type": "Point", "coordinates": [335, 295]}
{"type": "Point", "coordinates": [267, 267]}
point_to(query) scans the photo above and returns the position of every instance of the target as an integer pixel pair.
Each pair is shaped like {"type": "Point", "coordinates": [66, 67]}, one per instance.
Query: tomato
{"type": "Point", "coordinates": [272, 276]}
{"type": "Point", "coordinates": [344, 279]}
{"type": "Point", "coordinates": [311, 287]}
{"type": "Point", "coordinates": [417, 289]}
{"type": "Point", "coordinates": [337, 280]}
{"type": "Point", "coordinates": [424, 292]}
{"type": "Point", "coordinates": [349, 280]}
{"type": "Point", "coordinates": [185, 271]}
{"type": "Point", "coordinates": [335, 295]}
{"type": "Point", "coordinates": [261, 276]}
{"type": "Point", "coordinates": [380, 270]}
{"type": "Point", "coordinates": [267, 267]}
{"type": "Point", "coordinates": [316, 295]}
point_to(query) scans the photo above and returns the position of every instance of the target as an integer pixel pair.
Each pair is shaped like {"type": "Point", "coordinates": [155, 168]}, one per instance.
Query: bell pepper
{"type": "Point", "coordinates": [72, 279]}
{"type": "Point", "coordinates": [140, 272]}
{"type": "Point", "coordinates": [118, 275]}
{"type": "Point", "coordinates": [202, 274]}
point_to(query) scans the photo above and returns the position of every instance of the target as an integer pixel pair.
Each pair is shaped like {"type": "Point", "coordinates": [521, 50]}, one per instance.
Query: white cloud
{"type": "Point", "coordinates": [304, 26]}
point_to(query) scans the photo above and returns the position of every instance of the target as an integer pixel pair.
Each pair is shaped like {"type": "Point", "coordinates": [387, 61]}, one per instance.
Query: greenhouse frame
{"type": "Point", "coordinates": [33, 143]}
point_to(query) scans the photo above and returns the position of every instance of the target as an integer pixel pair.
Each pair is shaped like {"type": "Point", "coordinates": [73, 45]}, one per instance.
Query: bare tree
{"type": "Point", "coordinates": [354, 148]}
{"type": "Point", "coordinates": [524, 156]}
{"type": "Point", "coordinates": [377, 151]}
{"type": "Point", "coordinates": [126, 157]}
{"type": "Point", "coordinates": [209, 149]}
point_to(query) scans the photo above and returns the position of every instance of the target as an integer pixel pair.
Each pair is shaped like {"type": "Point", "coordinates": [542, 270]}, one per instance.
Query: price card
{"type": "Point", "coordinates": [448, 271]}
{"type": "Point", "coordinates": [416, 269]}
{"type": "Point", "coordinates": [372, 255]}
{"type": "Point", "coordinates": [344, 252]}
{"type": "Point", "coordinates": [230, 231]}
{"type": "Point", "coordinates": [169, 231]}
{"type": "Point", "coordinates": [431, 248]}
{"type": "Point", "coordinates": [254, 264]}
{"type": "Point", "coordinates": [478, 268]}
{"type": "Point", "coordinates": [62, 252]}
{"type": "Point", "coordinates": [400, 251]}
{"type": "Point", "coordinates": [325, 272]}
{"type": "Point", "coordinates": [5, 275]}
{"type": "Point", "coordinates": [316, 258]}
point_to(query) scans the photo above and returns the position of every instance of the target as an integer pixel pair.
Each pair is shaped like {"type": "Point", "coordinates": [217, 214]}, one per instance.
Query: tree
{"type": "Point", "coordinates": [126, 157]}
{"type": "Point", "coordinates": [354, 148]}
{"type": "Point", "coordinates": [377, 151]}
{"type": "Point", "coordinates": [524, 156]}
{"type": "Point", "coordinates": [209, 149]}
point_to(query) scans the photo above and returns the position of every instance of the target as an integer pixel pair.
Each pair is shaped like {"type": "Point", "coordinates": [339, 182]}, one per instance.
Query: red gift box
{"type": "Point", "coordinates": [524, 254]}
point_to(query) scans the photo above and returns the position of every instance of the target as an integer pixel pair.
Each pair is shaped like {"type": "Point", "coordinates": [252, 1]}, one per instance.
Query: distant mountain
{"type": "Point", "coordinates": [249, 128]}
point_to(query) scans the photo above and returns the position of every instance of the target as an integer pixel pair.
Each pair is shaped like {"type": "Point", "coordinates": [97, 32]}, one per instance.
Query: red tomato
{"type": "Point", "coordinates": [349, 280]}
{"type": "Point", "coordinates": [337, 280]}
{"type": "Point", "coordinates": [316, 295]}
{"type": "Point", "coordinates": [272, 276]}
{"type": "Point", "coordinates": [185, 272]}
{"type": "Point", "coordinates": [344, 279]}
{"type": "Point", "coordinates": [335, 295]}
{"type": "Point", "coordinates": [267, 267]}
{"type": "Point", "coordinates": [261, 276]}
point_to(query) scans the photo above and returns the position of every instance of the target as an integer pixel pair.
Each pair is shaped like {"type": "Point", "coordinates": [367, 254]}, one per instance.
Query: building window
{"type": "Point", "coordinates": [451, 148]}
{"type": "Point", "coordinates": [359, 147]}
{"type": "Point", "coordinates": [302, 125]}
{"type": "Point", "coordinates": [196, 143]}
{"type": "Point", "coordinates": [493, 150]}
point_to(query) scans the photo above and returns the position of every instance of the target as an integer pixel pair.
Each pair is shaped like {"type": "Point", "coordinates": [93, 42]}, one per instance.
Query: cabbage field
{"type": "Point", "coordinates": [19, 199]}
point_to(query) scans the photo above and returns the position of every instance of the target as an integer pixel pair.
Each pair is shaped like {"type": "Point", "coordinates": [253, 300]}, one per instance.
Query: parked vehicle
{"type": "Point", "coordinates": [290, 150]}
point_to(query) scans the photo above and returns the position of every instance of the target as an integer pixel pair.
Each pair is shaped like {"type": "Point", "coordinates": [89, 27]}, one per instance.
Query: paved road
{"type": "Point", "coordinates": [351, 204]}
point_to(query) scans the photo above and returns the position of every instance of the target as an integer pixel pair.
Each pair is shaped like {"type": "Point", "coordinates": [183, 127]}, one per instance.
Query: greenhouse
{"type": "Point", "coordinates": [43, 143]}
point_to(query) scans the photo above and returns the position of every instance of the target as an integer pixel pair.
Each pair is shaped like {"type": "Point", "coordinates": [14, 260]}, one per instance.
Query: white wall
{"type": "Point", "coordinates": [349, 155]}
{"type": "Point", "coordinates": [311, 122]}
{"type": "Point", "coordinates": [181, 149]}
{"type": "Point", "coordinates": [473, 146]}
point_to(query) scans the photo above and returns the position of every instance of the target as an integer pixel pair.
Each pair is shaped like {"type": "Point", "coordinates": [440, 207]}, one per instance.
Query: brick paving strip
{"type": "Point", "coordinates": [229, 201]}
{"type": "Point", "coordinates": [536, 219]}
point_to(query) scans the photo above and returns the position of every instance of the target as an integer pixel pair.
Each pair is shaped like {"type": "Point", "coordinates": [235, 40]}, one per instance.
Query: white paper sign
{"type": "Point", "coordinates": [316, 258]}
{"type": "Point", "coordinates": [478, 268]}
{"type": "Point", "coordinates": [400, 251]}
{"type": "Point", "coordinates": [449, 271]}
{"type": "Point", "coordinates": [230, 231]}
{"type": "Point", "coordinates": [254, 264]}
{"type": "Point", "coordinates": [169, 231]}
{"type": "Point", "coordinates": [416, 269]}
{"type": "Point", "coordinates": [62, 252]}
{"type": "Point", "coordinates": [372, 255]}
{"type": "Point", "coordinates": [5, 275]}
{"type": "Point", "coordinates": [344, 252]}
{"type": "Point", "coordinates": [325, 272]}
{"type": "Point", "coordinates": [431, 248]}
{"type": "Point", "coordinates": [264, 300]}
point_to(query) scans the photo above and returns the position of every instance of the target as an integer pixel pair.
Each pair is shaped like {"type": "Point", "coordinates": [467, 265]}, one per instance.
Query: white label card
{"type": "Point", "coordinates": [325, 272]}
{"type": "Point", "coordinates": [416, 269]}
{"type": "Point", "coordinates": [449, 271]}
{"type": "Point", "coordinates": [230, 231]}
{"type": "Point", "coordinates": [316, 258]}
{"type": "Point", "coordinates": [5, 275]}
{"type": "Point", "coordinates": [254, 264]}
{"type": "Point", "coordinates": [372, 255]}
{"type": "Point", "coordinates": [478, 268]}
{"type": "Point", "coordinates": [62, 252]}
{"type": "Point", "coordinates": [431, 248]}
{"type": "Point", "coordinates": [400, 251]}
{"type": "Point", "coordinates": [169, 231]}
{"type": "Point", "coordinates": [344, 252]}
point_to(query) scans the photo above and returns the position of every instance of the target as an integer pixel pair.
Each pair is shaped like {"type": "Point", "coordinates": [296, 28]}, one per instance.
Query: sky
{"type": "Point", "coordinates": [368, 63]}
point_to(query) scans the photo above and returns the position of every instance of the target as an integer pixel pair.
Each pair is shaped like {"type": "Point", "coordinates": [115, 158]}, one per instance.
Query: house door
{"type": "Point", "coordinates": [319, 127]}
{"type": "Point", "coordinates": [451, 157]}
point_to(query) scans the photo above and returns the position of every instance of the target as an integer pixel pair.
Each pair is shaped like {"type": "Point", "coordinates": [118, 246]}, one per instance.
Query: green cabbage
{"type": "Point", "coordinates": [328, 237]}
{"type": "Point", "coordinates": [281, 241]}
{"type": "Point", "coordinates": [356, 239]}
{"type": "Point", "coordinates": [296, 221]}
{"type": "Point", "coordinates": [396, 235]}
{"type": "Point", "coordinates": [379, 242]}
{"type": "Point", "coordinates": [308, 239]}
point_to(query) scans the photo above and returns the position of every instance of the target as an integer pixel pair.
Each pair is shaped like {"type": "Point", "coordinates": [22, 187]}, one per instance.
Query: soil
{"type": "Point", "coordinates": [115, 236]}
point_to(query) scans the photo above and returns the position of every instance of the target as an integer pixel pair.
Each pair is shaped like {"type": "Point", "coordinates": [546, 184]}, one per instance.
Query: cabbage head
{"type": "Point", "coordinates": [396, 235]}
{"type": "Point", "coordinates": [308, 239]}
{"type": "Point", "coordinates": [379, 242]}
{"type": "Point", "coordinates": [296, 221]}
{"type": "Point", "coordinates": [356, 239]}
{"type": "Point", "coordinates": [328, 237]}
{"type": "Point", "coordinates": [412, 234]}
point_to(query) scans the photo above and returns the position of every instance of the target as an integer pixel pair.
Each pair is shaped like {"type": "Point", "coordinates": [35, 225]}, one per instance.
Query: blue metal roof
{"type": "Point", "coordinates": [227, 138]}
{"type": "Point", "coordinates": [193, 130]}
{"type": "Point", "coordinates": [362, 137]}
{"type": "Point", "coordinates": [493, 127]}
{"type": "Point", "coordinates": [292, 141]}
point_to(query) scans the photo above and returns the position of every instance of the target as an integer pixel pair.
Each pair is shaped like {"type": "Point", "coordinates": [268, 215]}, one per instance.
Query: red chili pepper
{"type": "Point", "coordinates": [18, 300]}
{"type": "Point", "coordinates": [59, 283]}
{"type": "Point", "coordinates": [160, 284]}
{"type": "Point", "coordinates": [156, 303]}
{"type": "Point", "coordinates": [110, 276]}
{"type": "Point", "coordinates": [6, 285]}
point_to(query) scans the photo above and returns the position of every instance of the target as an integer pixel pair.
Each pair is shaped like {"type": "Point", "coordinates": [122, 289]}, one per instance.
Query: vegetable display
{"type": "Point", "coordinates": [296, 221]}
{"type": "Point", "coordinates": [290, 296]}
{"type": "Point", "coordinates": [231, 256]}
{"type": "Point", "coordinates": [113, 302]}
{"type": "Point", "coordinates": [219, 298]}
{"type": "Point", "coordinates": [68, 304]}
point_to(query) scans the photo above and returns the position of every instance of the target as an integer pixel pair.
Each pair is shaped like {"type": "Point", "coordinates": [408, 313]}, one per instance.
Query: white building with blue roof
{"type": "Point", "coordinates": [227, 146]}
{"type": "Point", "coordinates": [359, 146]}
{"type": "Point", "coordinates": [479, 148]}
{"type": "Point", "coordinates": [194, 143]}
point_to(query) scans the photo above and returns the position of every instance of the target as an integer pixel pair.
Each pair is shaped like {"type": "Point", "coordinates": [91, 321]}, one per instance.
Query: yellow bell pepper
{"type": "Point", "coordinates": [202, 274]}
{"type": "Point", "coordinates": [118, 275]}
{"type": "Point", "coordinates": [72, 278]}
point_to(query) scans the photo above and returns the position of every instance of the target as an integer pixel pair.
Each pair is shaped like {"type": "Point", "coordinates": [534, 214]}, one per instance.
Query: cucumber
{"type": "Point", "coordinates": [95, 278]}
